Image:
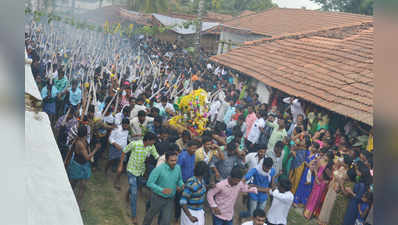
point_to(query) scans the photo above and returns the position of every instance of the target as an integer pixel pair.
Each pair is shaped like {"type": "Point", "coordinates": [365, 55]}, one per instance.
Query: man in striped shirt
{"type": "Point", "coordinates": [193, 197]}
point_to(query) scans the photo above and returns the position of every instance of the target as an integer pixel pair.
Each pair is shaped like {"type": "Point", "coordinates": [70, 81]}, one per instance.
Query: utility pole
{"type": "Point", "coordinates": [38, 5]}
{"type": "Point", "coordinates": [73, 6]}
{"type": "Point", "coordinates": [199, 29]}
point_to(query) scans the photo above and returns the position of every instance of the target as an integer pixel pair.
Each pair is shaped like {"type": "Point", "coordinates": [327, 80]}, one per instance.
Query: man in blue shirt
{"type": "Point", "coordinates": [75, 95]}
{"type": "Point", "coordinates": [186, 159]}
{"type": "Point", "coordinates": [261, 176]}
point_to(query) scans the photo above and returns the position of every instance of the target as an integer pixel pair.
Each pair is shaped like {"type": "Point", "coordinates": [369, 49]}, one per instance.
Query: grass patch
{"type": "Point", "coordinates": [101, 204]}
{"type": "Point", "coordinates": [296, 217]}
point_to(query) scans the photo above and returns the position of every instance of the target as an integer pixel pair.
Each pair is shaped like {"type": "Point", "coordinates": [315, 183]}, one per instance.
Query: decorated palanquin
{"type": "Point", "coordinates": [192, 112]}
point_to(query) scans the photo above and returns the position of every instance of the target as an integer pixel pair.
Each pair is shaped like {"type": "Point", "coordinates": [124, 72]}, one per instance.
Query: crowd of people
{"type": "Point", "coordinates": [283, 153]}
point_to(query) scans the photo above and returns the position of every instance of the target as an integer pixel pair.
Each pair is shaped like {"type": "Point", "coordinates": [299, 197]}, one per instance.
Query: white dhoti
{"type": "Point", "coordinates": [199, 214]}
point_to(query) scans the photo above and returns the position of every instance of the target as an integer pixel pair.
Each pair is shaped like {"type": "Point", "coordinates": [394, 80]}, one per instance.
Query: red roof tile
{"type": "Point", "coordinates": [137, 17]}
{"type": "Point", "coordinates": [282, 21]}
{"type": "Point", "coordinates": [333, 73]}
{"type": "Point", "coordinates": [219, 17]}
{"type": "Point", "coordinates": [246, 13]}
{"type": "Point", "coordinates": [211, 16]}
{"type": "Point", "coordinates": [106, 13]}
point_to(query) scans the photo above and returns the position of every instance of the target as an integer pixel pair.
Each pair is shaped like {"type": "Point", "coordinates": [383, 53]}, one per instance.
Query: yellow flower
{"type": "Point", "coordinates": [187, 104]}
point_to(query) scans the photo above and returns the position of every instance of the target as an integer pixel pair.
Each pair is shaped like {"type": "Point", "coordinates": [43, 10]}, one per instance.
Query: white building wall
{"type": "Point", "coordinates": [235, 38]}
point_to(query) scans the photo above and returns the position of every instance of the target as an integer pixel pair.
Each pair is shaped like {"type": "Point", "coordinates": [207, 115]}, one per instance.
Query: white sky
{"type": "Point", "coordinates": [296, 4]}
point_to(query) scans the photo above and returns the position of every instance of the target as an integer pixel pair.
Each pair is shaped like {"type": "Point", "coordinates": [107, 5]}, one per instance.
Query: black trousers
{"type": "Point", "coordinates": [98, 155]}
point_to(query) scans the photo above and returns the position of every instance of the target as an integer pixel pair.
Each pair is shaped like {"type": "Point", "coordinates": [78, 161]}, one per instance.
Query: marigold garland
{"type": "Point", "coordinates": [192, 112]}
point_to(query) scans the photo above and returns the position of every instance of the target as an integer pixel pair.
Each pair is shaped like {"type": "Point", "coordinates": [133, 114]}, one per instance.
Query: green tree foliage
{"type": "Point", "coordinates": [237, 6]}
{"type": "Point", "coordinates": [350, 6]}
{"type": "Point", "coordinates": [233, 7]}
{"type": "Point", "coordinates": [149, 6]}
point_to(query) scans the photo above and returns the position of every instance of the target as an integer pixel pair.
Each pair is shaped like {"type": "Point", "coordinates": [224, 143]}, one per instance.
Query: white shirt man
{"type": "Point", "coordinates": [109, 119]}
{"type": "Point", "coordinates": [135, 110]}
{"type": "Point", "coordinates": [254, 159]}
{"type": "Point", "coordinates": [217, 70]}
{"type": "Point", "coordinates": [209, 66]}
{"type": "Point", "coordinates": [277, 160]}
{"type": "Point", "coordinates": [164, 109]}
{"type": "Point", "coordinates": [295, 107]}
{"type": "Point", "coordinates": [258, 218]}
{"type": "Point", "coordinates": [119, 136]}
{"type": "Point", "coordinates": [255, 132]}
{"type": "Point", "coordinates": [222, 110]}
{"type": "Point", "coordinates": [118, 118]}
{"type": "Point", "coordinates": [137, 127]}
{"type": "Point", "coordinates": [214, 107]}
{"type": "Point", "coordinates": [280, 207]}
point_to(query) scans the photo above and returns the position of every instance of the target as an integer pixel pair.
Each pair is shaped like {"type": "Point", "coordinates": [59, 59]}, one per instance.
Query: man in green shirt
{"type": "Point", "coordinates": [61, 83]}
{"type": "Point", "coordinates": [278, 132]}
{"type": "Point", "coordinates": [164, 181]}
{"type": "Point", "coordinates": [140, 150]}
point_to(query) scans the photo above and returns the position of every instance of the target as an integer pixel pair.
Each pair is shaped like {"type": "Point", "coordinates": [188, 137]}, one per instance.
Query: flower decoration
{"type": "Point", "coordinates": [192, 112]}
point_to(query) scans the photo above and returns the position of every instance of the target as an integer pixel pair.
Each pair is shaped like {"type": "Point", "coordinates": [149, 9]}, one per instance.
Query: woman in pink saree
{"type": "Point", "coordinates": [321, 180]}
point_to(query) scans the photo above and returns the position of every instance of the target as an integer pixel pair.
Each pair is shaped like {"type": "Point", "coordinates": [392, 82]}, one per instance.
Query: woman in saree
{"type": "Point", "coordinates": [341, 166]}
{"type": "Point", "coordinates": [312, 122]}
{"type": "Point", "coordinates": [342, 198]}
{"type": "Point", "coordinates": [363, 180]}
{"type": "Point", "coordinates": [307, 178]}
{"type": "Point", "coordinates": [298, 152]}
{"type": "Point", "coordinates": [287, 158]}
{"type": "Point", "coordinates": [322, 137]}
{"type": "Point", "coordinates": [320, 184]}
{"type": "Point", "coordinates": [323, 122]}
{"type": "Point", "coordinates": [78, 164]}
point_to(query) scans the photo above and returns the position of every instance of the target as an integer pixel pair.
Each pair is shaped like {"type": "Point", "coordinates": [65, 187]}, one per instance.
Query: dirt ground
{"type": "Point", "coordinates": [104, 205]}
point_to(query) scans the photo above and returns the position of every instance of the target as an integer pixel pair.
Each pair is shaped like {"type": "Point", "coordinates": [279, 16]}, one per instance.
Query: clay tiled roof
{"type": "Point", "coordinates": [331, 69]}
{"type": "Point", "coordinates": [246, 13]}
{"type": "Point", "coordinates": [282, 21]}
{"type": "Point", "coordinates": [219, 17]}
{"type": "Point", "coordinates": [137, 17]}
{"type": "Point", "coordinates": [211, 17]}
{"type": "Point", "coordinates": [106, 13]}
